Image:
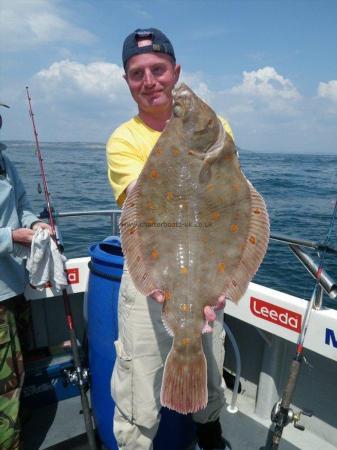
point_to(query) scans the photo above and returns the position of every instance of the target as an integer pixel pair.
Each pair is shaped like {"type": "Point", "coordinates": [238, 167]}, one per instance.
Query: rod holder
{"type": "Point", "coordinates": [325, 281]}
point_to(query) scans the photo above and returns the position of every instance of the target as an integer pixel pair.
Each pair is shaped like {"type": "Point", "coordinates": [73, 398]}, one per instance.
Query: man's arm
{"type": "Point", "coordinates": [29, 222]}
{"type": "Point", "coordinates": [124, 167]}
{"type": "Point", "coordinates": [26, 217]}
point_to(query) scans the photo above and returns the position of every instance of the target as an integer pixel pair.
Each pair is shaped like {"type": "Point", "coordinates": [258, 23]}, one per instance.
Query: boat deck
{"type": "Point", "coordinates": [60, 427]}
{"type": "Point", "coordinates": [267, 349]}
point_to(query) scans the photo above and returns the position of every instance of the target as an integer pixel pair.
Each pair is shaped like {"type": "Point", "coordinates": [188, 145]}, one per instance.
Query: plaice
{"type": "Point", "coordinates": [195, 228]}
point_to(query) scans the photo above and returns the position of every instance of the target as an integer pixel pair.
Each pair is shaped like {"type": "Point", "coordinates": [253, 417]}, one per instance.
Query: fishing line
{"type": "Point", "coordinates": [318, 275]}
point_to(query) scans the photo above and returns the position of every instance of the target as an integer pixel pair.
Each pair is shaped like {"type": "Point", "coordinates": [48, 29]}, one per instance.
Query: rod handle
{"type": "Point", "coordinates": [291, 383]}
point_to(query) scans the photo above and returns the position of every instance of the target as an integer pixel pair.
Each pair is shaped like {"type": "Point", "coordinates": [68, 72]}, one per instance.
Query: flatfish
{"type": "Point", "coordinates": [195, 228]}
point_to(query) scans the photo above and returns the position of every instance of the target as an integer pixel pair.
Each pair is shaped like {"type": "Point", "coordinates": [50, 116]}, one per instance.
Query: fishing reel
{"type": "Point", "coordinates": [282, 417]}
{"type": "Point", "coordinates": [76, 377]}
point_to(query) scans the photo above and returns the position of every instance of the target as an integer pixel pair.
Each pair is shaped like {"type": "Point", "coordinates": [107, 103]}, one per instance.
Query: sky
{"type": "Point", "coordinates": [268, 67]}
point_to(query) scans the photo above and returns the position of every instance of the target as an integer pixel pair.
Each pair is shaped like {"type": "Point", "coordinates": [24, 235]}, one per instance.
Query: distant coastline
{"type": "Point", "coordinates": [100, 145]}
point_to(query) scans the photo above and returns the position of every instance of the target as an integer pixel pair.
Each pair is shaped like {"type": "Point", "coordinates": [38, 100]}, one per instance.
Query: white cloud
{"type": "Point", "coordinates": [85, 102]}
{"type": "Point", "coordinates": [28, 23]}
{"type": "Point", "coordinates": [196, 82]}
{"type": "Point", "coordinates": [81, 102]}
{"type": "Point", "coordinates": [98, 79]}
{"type": "Point", "coordinates": [266, 83]}
{"type": "Point", "coordinates": [328, 90]}
{"type": "Point", "coordinates": [267, 113]}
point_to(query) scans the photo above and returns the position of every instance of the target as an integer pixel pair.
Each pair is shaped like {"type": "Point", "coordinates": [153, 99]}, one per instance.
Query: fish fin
{"type": "Point", "coordinates": [131, 245]}
{"type": "Point", "coordinates": [166, 323]}
{"type": "Point", "coordinates": [205, 173]}
{"type": "Point", "coordinates": [255, 249]}
{"type": "Point", "coordinates": [184, 387]}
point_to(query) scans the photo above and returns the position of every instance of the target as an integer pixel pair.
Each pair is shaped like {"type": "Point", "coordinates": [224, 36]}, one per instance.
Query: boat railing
{"type": "Point", "coordinates": [295, 245]}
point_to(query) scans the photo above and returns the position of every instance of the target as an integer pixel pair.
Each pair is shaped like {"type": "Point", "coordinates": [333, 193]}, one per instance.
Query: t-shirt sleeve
{"type": "Point", "coordinates": [124, 166]}
{"type": "Point", "coordinates": [227, 127]}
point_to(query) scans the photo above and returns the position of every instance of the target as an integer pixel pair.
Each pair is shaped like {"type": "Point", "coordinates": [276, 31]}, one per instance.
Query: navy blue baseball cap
{"type": "Point", "coordinates": [160, 44]}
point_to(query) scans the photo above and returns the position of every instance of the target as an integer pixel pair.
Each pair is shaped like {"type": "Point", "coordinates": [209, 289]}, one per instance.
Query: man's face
{"type": "Point", "coordinates": [151, 78]}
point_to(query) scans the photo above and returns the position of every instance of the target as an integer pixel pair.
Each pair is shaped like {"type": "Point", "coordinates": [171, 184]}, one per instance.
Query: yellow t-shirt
{"type": "Point", "coordinates": [127, 151]}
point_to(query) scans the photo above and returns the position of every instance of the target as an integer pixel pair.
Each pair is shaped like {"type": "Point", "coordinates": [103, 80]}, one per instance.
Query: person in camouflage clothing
{"type": "Point", "coordinates": [11, 370]}
{"type": "Point", "coordinates": [17, 228]}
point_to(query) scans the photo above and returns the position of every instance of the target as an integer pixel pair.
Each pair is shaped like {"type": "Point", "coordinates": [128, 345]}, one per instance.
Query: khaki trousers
{"type": "Point", "coordinates": [142, 347]}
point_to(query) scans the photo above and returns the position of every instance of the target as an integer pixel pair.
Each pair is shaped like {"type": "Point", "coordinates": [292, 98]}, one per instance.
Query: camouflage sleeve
{"type": "Point", "coordinates": [11, 378]}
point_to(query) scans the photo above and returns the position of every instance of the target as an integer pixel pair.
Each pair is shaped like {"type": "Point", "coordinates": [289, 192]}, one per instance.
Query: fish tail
{"type": "Point", "coordinates": [184, 387]}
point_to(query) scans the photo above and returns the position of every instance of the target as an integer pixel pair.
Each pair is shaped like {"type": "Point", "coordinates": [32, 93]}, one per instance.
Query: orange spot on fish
{"type": "Point", "coordinates": [175, 151]}
{"type": "Point", "coordinates": [229, 156]}
{"type": "Point", "coordinates": [149, 205]}
{"type": "Point", "coordinates": [154, 173]}
{"type": "Point", "coordinates": [234, 228]}
{"type": "Point", "coordinates": [235, 187]}
{"type": "Point", "coordinates": [210, 187]}
{"type": "Point", "coordinates": [221, 267]}
{"type": "Point", "coordinates": [215, 215]}
{"type": "Point", "coordinates": [186, 341]}
{"type": "Point", "coordinates": [132, 230]}
{"type": "Point", "coordinates": [252, 240]}
{"type": "Point", "coordinates": [159, 151]}
{"type": "Point", "coordinates": [257, 211]}
{"type": "Point", "coordinates": [154, 254]}
{"type": "Point", "coordinates": [185, 307]}
{"type": "Point", "coordinates": [169, 195]}
{"type": "Point", "coordinates": [183, 270]}
{"type": "Point", "coordinates": [151, 221]}
{"type": "Point", "coordinates": [167, 295]}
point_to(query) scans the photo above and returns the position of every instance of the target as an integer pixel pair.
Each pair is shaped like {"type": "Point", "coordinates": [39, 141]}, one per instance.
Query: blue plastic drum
{"type": "Point", "coordinates": [176, 431]}
{"type": "Point", "coordinates": [105, 275]}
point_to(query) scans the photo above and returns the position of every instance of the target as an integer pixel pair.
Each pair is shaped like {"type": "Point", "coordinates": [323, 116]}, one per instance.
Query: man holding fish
{"type": "Point", "coordinates": [151, 74]}
{"type": "Point", "coordinates": [177, 200]}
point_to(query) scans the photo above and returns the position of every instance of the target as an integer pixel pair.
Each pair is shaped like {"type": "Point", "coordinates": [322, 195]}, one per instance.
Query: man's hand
{"type": "Point", "coordinates": [158, 296]}
{"type": "Point", "coordinates": [23, 236]}
{"type": "Point", "coordinates": [209, 311]}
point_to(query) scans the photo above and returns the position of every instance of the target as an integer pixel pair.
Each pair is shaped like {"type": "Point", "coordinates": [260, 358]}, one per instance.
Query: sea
{"type": "Point", "coordinates": [300, 191]}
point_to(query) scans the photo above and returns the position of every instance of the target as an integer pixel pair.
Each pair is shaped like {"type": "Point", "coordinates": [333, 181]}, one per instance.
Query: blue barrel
{"type": "Point", "coordinates": [176, 431]}
{"type": "Point", "coordinates": [106, 270]}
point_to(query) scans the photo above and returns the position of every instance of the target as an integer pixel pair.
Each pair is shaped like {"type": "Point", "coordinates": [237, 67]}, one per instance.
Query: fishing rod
{"type": "Point", "coordinates": [79, 376]}
{"type": "Point", "coordinates": [282, 414]}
